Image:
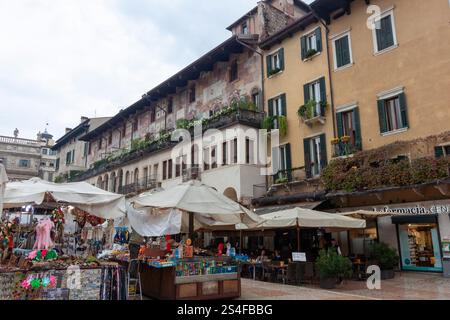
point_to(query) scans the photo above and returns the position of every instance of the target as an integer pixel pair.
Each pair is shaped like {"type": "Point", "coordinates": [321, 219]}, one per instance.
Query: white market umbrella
{"type": "Point", "coordinates": [3, 181]}
{"type": "Point", "coordinates": [307, 218]}
{"type": "Point", "coordinates": [210, 208]}
{"type": "Point", "coordinates": [95, 201]}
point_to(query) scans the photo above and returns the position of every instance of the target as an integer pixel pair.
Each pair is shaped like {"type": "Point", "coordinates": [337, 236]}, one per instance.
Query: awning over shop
{"type": "Point", "coordinates": [304, 205]}
{"type": "Point", "coordinates": [95, 201]}
{"type": "Point", "coordinates": [366, 214]}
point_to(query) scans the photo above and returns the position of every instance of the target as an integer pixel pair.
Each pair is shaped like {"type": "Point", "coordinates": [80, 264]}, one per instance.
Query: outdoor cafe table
{"type": "Point", "coordinates": [253, 264]}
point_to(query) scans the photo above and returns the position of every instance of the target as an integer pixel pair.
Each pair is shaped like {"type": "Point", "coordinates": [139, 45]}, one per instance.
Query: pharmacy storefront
{"type": "Point", "coordinates": [420, 229]}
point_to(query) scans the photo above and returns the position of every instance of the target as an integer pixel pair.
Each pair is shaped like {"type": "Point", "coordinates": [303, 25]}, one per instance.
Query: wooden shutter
{"type": "Point", "coordinates": [275, 162]}
{"type": "Point", "coordinates": [439, 152]}
{"type": "Point", "coordinates": [339, 124]}
{"type": "Point", "coordinates": [269, 65]}
{"type": "Point", "coordinates": [283, 104]}
{"type": "Point", "coordinates": [281, 56]}
{"type": "Point", "coordinates": [357, 124]}
{"type": "Point", "coordinates": [382, 116]}
{"type": "Point", "coordinates": [288, 161]}
{"type": "Point", "coordinates": [403, 110]}
{"type": "Point", "coordinates": [303, 47]}
{"type": "Point", "coordinates": [306, 92]}
{"type": "Point", "coordinates": [270, 106]}
{"type": "Point", "coordinates": [319, 39]}
{"type": "Point", "coordinates": [323, 91]}
{"type": "Point", "coordinates": [307, 153]}
{"type": "Point", "coordinates": [323, 151]}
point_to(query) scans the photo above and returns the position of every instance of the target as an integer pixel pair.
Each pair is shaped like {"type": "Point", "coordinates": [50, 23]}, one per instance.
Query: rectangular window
{"type": "Point", "coordinates": [100, 144]}
{"type": "Point", "coordinates": [384, 32]}
{"type": "Point", "coordinates": [247, 151]}
{"type": "Point", "coordinates": [191, 94]}
{"type": "Point", "coordinates": [23, 163]}
{"type": "Point", "coordinates": [68, 157]}
{"type": "Point", "coordinates": [224, 153]}
{"type": "Point", "coordinates": [73, 156]}
{"type": "Point", "coordinates": [244, 28]}
{"type": "Point", "coordinates": [342, 51]}
{"type": "Point", "coordinates": [234, 71]}
{"type": "Point", "coordinates": [348, 124]}
{"type": "Point", "coordinates": [256, 100]}
{"type": "Point", "coordinates": [170, 105]}
{"type": "Point", "coordinates": [315, 155]}
{"type": "Point", "coordinates": [311, 44]}
{"type": "Point", "coordinates": [57, 164]}
{"type": "Point", "coordinates": [135, 125]}
{"type": "Point", "coordinates": [442, 151]}
{"type": "Point", "coordinates": [213, 157]}
{"type": "Point", "coordinates": [110, 138]}
{"type": "Point", "coordinates": [282, 159]}
{"type": "Point", "coordinates": [44, 151]}
{"type": "Point", "coordinates": [392, 113]}
{"type": "Point", "coordinates": [164, 168]}
{"type": "Point", "coordinates": [152, 115]}
{"type": "Point", "coordinates": [235, 150]}
{"type": "Point", "coordinates": [275, 62]}
{"type": "Point", "coordinates": [178, 167]}
{"type": "Point", "coordinates": [170, 169]}
{"type": "Point", "coordinates": [206, 159]}
{"type": "Point", "coordinates": [316, 92]}
{"type": "Point", "coordinates": [277, 107]}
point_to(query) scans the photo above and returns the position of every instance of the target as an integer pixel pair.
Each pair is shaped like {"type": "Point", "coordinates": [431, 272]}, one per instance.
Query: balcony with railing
{"type": "Point", "coordinates": [344, 147]}
{"type": "Point", "coordinates": [139, 186]}
{"type": "Point", "coordinates": [19, 141]}
{"type": "Point", "coordinates": [313, 112]}
{"type": "Point", "coordinates": [144, 147]}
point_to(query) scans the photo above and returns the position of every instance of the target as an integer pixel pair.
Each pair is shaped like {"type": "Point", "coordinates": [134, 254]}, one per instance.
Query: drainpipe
{"type": "Point", "coordinates": [263, 99]}
{"type": "Point", "coordinates": [329, 68]}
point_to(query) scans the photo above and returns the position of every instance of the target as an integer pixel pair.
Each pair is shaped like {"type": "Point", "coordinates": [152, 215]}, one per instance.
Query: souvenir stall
{"type": "Point", "coordinates": [176, 270]}
{"type": "Point", "coordinates": [60, 265]}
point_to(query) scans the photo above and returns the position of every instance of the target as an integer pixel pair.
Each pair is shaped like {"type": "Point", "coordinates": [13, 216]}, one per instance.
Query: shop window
{"type": "Point", "coordinates": [420, 247]}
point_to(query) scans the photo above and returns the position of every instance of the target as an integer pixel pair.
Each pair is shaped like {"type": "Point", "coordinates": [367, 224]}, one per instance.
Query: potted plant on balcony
{"type": "Point", "coordinates": [282, 125]}
{"type": "Point", "coordinates": [335, 141]}
{"type": "Point", "coordinates": [332, 266]}
{"type": "Point", "coordinates": [310, 53]}
{"type": "Point", "coordinates": [267, 123]}
{"type": "Point", "coordinates": [386, 258]}
{"type": "Point", "coordinates": [345, 139]}
{"type": "Point", "coordinates": [283, 179]}
{"type": "Point", "coordinates": [306, 111]}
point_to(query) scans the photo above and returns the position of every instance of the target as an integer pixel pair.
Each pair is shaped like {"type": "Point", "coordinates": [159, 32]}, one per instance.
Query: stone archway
{"type": "Point", "coordinates": [231, 193]}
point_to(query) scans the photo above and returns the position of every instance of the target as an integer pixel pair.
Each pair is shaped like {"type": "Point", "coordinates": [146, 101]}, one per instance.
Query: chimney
{"type": "Point", "coordinates": [83, 119]}
{"type": "Point", "coordinates": [68, 130]}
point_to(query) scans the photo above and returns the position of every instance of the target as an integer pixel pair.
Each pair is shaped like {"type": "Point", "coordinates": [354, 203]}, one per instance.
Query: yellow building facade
{"type": "Point", "coordinates": [389, 66]}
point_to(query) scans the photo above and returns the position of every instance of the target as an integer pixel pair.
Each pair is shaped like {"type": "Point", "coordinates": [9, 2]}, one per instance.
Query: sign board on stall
{"type": "Point", "coordinates": [298, 256]}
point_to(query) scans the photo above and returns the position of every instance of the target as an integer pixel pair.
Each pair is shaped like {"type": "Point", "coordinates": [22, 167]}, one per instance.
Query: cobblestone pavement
{"type": "Point", "coordinates": [405, 286]}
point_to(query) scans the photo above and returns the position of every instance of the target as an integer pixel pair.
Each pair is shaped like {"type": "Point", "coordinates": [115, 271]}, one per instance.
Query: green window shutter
{"type": "Point", "coordinates": [283, 104]}
{"type": "Point", "coordinates": [275, 162]}
{"type": "Point", "coordinates": [382, 116]}
{"type": "Point", "coordinates": [281, 55]}
{"type": "Point", "coordinates": [323, 90]}
{"type": "Point", "coordinates": [339, 124]}
{"type": "Point", "coordinates": [385, 36]}
{"type": "Point", "coordinates": [342, 47]}
{"type": "Point", "coordinates": [306, 92]}
{"type": "Point", "coordinates": [289, 161]}
{"type": "Point", "coordinates": [323, 151]}
{"type": "Point", "coordinates": [307, 152]}
{"type": "Point", "coordinates": [319, 39]}
{"type": "Point", "coordinates": [439, 152]}
{"type": "Point", "coordinates": [403, 110]}
{"type": "Point", "coordinates": [357, 125]}
{"type": "Point", "coordinates": [338, 49]}
{"type": "Point", "coordinates": [270, 106]}
{"type": "Point", "coordinates": [303, 47]}
{"type": "Point", "coordinates": [269, 65]}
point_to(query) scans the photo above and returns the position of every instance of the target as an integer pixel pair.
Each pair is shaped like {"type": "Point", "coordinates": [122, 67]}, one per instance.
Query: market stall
{"type": "Point", "coordinates": [179, 270]}
{"type": "Point", "coordinates": [60, 263]}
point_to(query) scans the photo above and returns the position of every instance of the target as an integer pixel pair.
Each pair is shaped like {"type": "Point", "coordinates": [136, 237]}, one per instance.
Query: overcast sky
{"type": "Point", "coordinates": [60, 60]}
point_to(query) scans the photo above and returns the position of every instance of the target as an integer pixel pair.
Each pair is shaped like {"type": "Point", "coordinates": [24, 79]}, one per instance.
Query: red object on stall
{"type": "Point", "coordinates": [220, 249]}
{"type": "Point", "coordinates": [168, 245]}
{"type": "Point", "coordinates": [11, 242]}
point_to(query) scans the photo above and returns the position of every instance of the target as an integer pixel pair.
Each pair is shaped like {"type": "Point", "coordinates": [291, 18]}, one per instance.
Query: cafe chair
{"type": "Point", "coordinates": [134, 279]}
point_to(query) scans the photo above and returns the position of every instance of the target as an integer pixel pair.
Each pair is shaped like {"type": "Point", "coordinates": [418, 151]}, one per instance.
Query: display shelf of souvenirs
{"type": "Point", "coordinates": [117, 253]}
{"type": "Point", "coordinates": [200, 266]}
